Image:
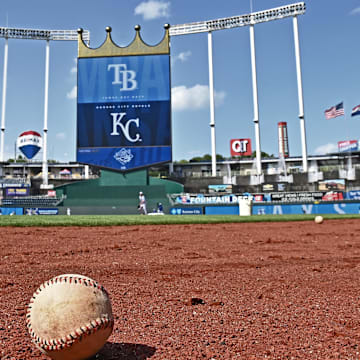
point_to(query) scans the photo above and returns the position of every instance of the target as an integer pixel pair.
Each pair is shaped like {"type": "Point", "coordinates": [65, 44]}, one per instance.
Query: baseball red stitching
{"type": "Point", "coordinates": [78, 334]}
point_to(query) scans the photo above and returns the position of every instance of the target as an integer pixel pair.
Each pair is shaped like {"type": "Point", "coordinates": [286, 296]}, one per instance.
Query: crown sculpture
{"type": "Point", "coordinates": [136, 47]}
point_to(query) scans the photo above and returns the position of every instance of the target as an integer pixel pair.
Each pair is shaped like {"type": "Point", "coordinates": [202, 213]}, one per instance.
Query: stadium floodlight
{"type": "Point", "coordinates": [291, 10]}
{"type": "Point", "coordinates": [34, 34]}
{"type": "Point", "coordinates": [238, 21]}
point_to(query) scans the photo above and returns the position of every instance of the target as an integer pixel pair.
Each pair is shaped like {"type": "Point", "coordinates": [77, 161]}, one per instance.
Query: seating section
{"type": "Point", "coordinates": [32, 201]}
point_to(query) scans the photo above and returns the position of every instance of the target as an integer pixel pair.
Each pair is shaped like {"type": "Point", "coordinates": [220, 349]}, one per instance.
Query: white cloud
{"type": "Point", "coordinates": [153, 9]}
{"type": "Point", "coordinates": [60, 136]}
{"type": "Point", "coordinates": [326, 149]}
{"type": "Point", "coordinates": [72, 94]}
{"type": "Point", "coordinates": [219, 97]}
{"type": "Point", "coordinates": [196, 97]}
{"type": "Point", "coordinates": [182, 57]}
{"type": "Point", "coordinates": [355, 11]}
{"type": "Point", "coordinates": [73, 70]}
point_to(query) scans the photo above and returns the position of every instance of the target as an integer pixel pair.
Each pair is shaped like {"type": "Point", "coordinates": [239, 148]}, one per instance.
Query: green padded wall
{"type": "Point", "coordinates": [119, 191]}
{"type": "Point", "coordinates": [111, 178]}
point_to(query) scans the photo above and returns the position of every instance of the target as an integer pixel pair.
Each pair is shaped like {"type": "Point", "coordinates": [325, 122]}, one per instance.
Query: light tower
{"type": "Point", "coordinates": [292, 10]}
{"type": "Point", "coordinates": [34, 34]}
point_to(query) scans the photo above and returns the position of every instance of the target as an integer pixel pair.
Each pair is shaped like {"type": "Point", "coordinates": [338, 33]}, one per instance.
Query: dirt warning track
{"type": "Point", "coordinates": [228, 291]}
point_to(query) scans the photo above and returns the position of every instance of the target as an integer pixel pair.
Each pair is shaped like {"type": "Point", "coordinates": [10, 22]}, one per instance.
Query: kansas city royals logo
{"type": "Point", "coordinates": [125, 126]}
{"type": "Point", "coordinates": [123, 77]}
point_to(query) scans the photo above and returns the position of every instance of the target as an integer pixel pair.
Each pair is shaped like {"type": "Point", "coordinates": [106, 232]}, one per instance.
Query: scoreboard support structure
{"type": "Point", "coordinates": [292, 10]}
{"type": "Point", "coordinates": [34, 34]}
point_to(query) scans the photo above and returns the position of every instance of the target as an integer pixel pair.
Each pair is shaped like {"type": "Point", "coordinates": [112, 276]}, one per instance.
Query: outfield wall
{"type": "Point", "coordinates": [286, 209]}
{"type": "Point", "coordinates": [257, 209]}
{"type": "Point", "coordinates": [116, 193]}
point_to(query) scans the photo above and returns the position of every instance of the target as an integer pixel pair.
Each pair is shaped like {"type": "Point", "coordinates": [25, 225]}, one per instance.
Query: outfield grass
{"type": "Point", "coordinates": [123, 220]}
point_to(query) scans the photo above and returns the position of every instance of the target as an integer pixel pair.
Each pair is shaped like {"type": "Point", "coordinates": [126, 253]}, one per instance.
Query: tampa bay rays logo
{"type": "Point", "coordinates": [123, 77]}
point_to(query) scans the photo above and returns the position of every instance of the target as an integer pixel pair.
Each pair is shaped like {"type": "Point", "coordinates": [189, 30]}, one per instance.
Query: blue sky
{"type": "Point", "coordinates": [330, 54]}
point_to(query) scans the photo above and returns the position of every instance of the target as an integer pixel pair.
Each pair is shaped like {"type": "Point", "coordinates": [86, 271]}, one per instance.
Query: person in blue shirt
{"type": "Point", "coordinates": [160, 208]}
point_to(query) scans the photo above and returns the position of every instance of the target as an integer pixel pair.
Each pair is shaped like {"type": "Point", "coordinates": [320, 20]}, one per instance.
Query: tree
{"type": "Point", "coordinates": [253, 156]}
{"type": "Point", "coordinates": [20, 159]}
{"type": "Point", "coordinates": [206, 158]}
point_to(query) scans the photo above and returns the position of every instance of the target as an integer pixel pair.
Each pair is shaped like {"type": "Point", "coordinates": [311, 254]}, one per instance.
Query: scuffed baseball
{"type": "Point", "coordinates": [319, 219]}
{"type": "Point", "coordinates": [69, 317]}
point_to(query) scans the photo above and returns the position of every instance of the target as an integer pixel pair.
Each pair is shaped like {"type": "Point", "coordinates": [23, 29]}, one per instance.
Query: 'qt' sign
{"type": "Point", "coordinates": [240, 147]}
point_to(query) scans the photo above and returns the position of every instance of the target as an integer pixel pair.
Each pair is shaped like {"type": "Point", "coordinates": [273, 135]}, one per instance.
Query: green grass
{"type": "Point", "coordinates": [123, 220]}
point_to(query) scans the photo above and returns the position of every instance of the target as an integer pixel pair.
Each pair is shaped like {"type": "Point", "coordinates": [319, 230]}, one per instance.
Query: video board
{"type": "Point", "coordinates": [124, 111]}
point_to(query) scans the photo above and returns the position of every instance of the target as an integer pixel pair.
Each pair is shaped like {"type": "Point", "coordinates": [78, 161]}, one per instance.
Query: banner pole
{"type": "Point", "coordinates": [255, 100]}
{"type": "Point", "coordinates": [4, 101]}
{"type": "Point", "coordinates": [212, 106]}
{"type": "Point", "coordinates": [300, 95]}
{"type": "Point", "coordinates": [44, 164]}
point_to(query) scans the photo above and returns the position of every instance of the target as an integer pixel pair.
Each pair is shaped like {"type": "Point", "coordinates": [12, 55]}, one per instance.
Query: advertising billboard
{"type": "Point", "coordinates": [41, 211]}
{"type": "Point", "coordinates": [29, 143]}
{"type": "Point", "coordinates": [11, 183]}
{"type": "Point", "coordinates": [297, 196]}
{"type": "Point", "coordinates": [220, 188]}
{"type": "Point", "coordinates": [240, 147]}
{"type": "Point", "coordinates": [348, 145]}
{"type": "Point", "coordinates": [331, 185]}
{"type": "Point", "coordinates": [124, 111]}
{"type": "Point", "coordinates": [17, 191]}
{"type": "Point", "coordinates": [353, 195]}
{"type": "Point", "coordinates": [318, 208]}
{"type": "Point", "coordinates": [186, 211]}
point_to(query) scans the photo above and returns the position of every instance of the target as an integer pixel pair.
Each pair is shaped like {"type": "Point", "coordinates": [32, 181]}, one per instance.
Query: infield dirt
{"type": "Point", "coordinates": [230, 291]}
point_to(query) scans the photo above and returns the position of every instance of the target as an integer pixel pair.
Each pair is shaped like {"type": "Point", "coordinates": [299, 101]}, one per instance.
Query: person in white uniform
{"type": "Point", "coordinates": [142, 203]}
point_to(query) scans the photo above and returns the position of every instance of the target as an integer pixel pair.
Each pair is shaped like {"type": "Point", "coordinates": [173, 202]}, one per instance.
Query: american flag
{"type": "Point", "coordinates": [335, 111]}
{"type": "Point", "coordinates": [355, 111]}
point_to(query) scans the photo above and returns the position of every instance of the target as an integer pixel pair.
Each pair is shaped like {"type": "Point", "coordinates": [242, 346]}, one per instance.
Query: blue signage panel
{"type": "Point", "coordinates": [284, 209]}
{"type": "Point", "coordinates": [42, 211]}
{"type": "Point", "coordinates": [222, 210]}
{"type": "Point", "coordinates": [11, 184]}
{"type": "Point", "coordinates": [124, 111]}
{"type": "Point", "coordinates": [186, 211]}
{"type": "Point", "coordinates": [322, 208]}
{"type": "Point", "coordinates": [353, 195]}
{"type": "Point", "coordinates": [11, 211]}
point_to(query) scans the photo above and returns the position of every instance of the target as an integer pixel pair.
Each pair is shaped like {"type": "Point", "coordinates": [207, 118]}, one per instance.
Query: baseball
{"type": "Point", "coordinates": [319, 219]}
{"type": "Point", "coordinates": [70, 317]}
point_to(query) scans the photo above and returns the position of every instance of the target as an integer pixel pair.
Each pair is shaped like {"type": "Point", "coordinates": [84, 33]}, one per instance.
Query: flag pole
{"type": "Point", "coordinates": [349, 163]}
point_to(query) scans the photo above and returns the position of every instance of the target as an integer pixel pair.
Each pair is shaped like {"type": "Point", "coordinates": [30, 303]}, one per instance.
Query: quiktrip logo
{"type": "Point", "coordinates": [240, 147]}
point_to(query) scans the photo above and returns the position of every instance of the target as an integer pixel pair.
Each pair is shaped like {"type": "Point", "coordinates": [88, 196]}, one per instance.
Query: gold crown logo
{"type": "Point", "coordinates": [136, 47]}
